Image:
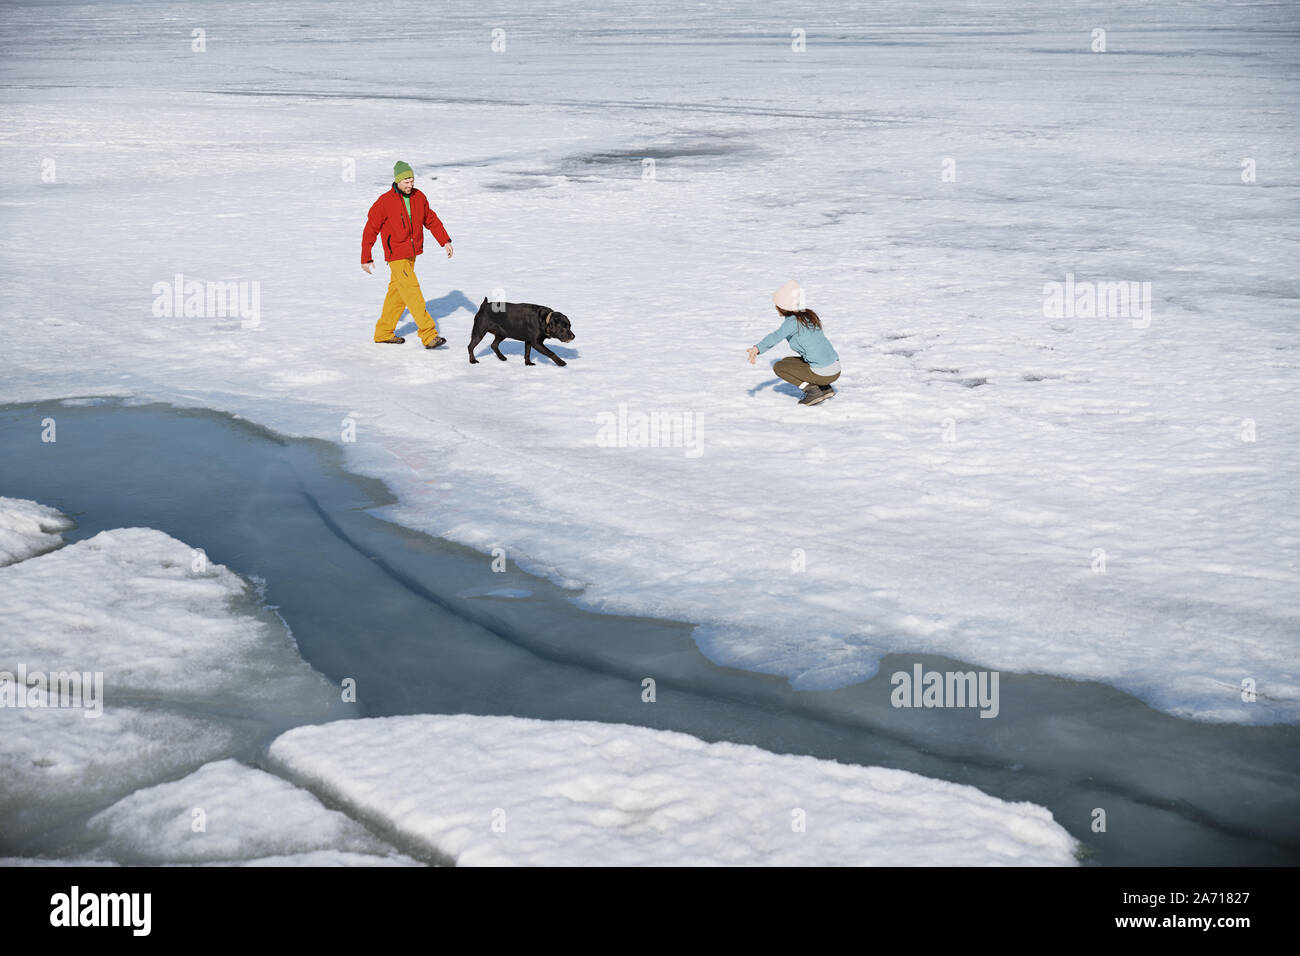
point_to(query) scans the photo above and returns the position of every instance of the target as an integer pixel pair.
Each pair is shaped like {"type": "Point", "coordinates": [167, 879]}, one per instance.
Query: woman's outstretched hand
{"type": "Point", "coordinates": [752, 352]}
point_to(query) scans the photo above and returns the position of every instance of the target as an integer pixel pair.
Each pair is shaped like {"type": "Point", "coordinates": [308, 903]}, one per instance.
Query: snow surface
{"type": "Point", "coordinates": [28, 529]}
{"type": "Point", "coordinates": [193, 670]}
{"type": "Point", "coordinates": [247, 816]}
{"type": "Point", "coordinates": [491, 791]}
{"type": "Point", "coordinates": [134, 604]}
{"type": "Point", "coordinates": [1073, 440]}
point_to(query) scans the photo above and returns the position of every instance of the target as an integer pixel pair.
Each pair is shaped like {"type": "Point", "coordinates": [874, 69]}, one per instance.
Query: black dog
{"type": "Point", "coordinates": [523, 321]}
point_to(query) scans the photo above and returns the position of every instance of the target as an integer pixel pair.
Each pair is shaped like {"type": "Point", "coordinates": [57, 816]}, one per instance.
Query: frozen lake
{"type": "Point", "coordinates": [424, 626]}
{"type": "Point", "coordinates": [1103, 500]}
{"type": "Point", "coordinates": [1097, 497]}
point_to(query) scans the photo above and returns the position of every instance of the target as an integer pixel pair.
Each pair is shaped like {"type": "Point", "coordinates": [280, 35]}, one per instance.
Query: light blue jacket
{"type": "Point", "coordinates": [811, 344]}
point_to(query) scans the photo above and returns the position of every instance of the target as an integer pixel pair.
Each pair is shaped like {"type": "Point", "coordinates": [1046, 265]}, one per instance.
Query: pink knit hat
{"type": "Point", "coordinates": [789, 297]}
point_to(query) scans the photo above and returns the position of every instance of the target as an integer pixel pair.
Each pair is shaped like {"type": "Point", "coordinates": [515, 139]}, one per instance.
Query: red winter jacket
{"type": "Point", "coordinates": [388, 219]}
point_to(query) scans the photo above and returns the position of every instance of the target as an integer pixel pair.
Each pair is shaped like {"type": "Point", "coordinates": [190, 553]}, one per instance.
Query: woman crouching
{"type": "Point", "coordinates": [817, 364]}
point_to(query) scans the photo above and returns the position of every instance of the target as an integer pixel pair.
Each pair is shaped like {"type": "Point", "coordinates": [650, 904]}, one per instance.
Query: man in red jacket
{"type": "Point", "coordinates": [400, 216]}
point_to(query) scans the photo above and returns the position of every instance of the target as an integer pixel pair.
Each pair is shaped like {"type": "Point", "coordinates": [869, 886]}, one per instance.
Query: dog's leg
{"type": "Point", "coordinates": [550, 355]}
{"type": "Point", "coordinates": [528, 353]}
{"type": "Point", "coordinates": [496, 343]}
{"type": "Point", "coordinates": [475, 338]}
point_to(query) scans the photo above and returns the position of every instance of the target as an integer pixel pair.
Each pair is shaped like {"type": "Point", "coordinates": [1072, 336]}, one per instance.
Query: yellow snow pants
{"type": "Point", "coordinates": [404, 294]}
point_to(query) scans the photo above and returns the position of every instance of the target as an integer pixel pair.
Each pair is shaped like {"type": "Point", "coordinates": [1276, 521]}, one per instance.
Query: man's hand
{"type": "Point", "coordinates": [369, 267]}
{"type": "Point", "coordinates": [448, 248]}
{"type": "Point", "coordinates": [752, 352]}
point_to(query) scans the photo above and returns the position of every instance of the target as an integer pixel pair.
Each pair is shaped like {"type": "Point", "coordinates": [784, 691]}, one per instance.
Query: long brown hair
{"type": "Point", "coordinates": [805, 317]}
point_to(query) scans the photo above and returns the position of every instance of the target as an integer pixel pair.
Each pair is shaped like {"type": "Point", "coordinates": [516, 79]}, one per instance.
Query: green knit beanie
{"type": "Point", "coordinates": [402, 171]}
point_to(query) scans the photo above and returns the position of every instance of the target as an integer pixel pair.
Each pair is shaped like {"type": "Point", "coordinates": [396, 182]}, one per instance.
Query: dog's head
{"type": "Point", "coordinates": [557, 327]}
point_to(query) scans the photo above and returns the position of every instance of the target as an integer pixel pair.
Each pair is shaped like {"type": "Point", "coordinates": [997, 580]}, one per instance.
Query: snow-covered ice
{"type": "Point", "coordinates": [226, 812]}
{"type": "Point", "coordinates": [488, 791]}
{"type": "Point", "coordinates": [1086, 497]}
{"type": "Point", "coordinates": [190, 668]}
{"type": "Point", "coordinates": [151, 613]}
{"type": "Point", "coordinates": [194, 670]}
{"type": "Point", "coordinates": [28, 529]}
{"type": "Point", "coordinates": [187, 668]}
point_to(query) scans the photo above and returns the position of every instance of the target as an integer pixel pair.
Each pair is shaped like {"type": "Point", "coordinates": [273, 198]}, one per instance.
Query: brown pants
{"type": "Point", "coordinates": [796, 371]}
